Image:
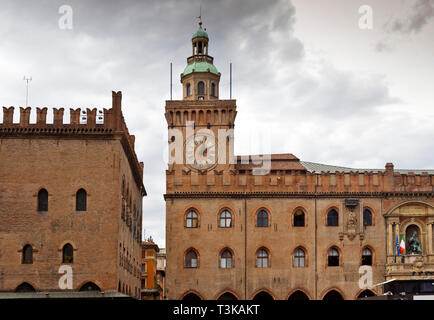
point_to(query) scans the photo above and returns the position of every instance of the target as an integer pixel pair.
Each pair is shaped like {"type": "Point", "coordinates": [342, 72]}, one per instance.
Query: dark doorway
{"type": "Point", "coordinates": [333, 295]}
{"type": "Point", "coordinates": [89, 286]}
{"type": "Point", "coordinates": [227, 296]}
{"type": "Point", "coordinates": [263, 296]}
{"type": "Point", "coordinates": [191, 296]}
{"type": "Point", "coordinates": [298, 295]}
{"type": "Point", "coordinates": [366, 294]}
{"type": "Point", "coordinates": [25, 287]}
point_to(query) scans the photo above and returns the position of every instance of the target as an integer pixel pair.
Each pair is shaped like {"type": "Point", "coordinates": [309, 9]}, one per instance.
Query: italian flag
{"type": "Point", "coordinates": [402, 244]}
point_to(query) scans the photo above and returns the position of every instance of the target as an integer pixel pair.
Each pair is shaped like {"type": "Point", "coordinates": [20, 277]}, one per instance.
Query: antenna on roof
{"type": "Point", "coordinates": [230, 80]}
{"type": "Point", "coordinates": [171, 81]}
{"type": "Point", "coordinates": [27, 89]}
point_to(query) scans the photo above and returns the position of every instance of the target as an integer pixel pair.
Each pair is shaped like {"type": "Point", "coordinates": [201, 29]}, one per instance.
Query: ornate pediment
{"type": "Point", "coordinates": [413, 209]}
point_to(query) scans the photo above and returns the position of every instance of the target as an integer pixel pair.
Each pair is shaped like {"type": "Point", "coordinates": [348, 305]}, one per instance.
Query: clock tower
{"type": "Point", "coordinates": [200, 125]}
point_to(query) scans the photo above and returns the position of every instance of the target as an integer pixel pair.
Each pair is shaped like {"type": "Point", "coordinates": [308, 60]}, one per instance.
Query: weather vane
{"type": "Point", "coordinates": [200, 14]}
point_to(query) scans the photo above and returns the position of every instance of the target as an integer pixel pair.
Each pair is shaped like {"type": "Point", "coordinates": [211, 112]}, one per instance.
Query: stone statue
{"type": "Point", "coordinates": [414, 245]}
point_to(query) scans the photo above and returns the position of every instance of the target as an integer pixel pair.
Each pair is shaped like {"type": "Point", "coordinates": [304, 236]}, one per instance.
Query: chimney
{"type": "Point", "coordinates": [116, 107]}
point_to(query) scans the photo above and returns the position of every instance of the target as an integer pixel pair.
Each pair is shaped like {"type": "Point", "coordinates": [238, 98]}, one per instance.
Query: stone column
{"type": "Point", "coordinates": [429, 247]}
{"type": "Point", "coordinates": [389, 238]}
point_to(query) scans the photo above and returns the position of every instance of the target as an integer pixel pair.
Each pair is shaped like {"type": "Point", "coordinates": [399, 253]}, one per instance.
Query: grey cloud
{"type": "Point", "coordinates": [421, 14]}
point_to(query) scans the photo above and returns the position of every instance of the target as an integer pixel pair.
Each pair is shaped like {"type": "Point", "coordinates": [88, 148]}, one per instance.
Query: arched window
{"type": "Point", "coordinates": [42, 200]}
{"type": "Point", "coordinates": [213, 93]}
{"type": "Point", "coordinates": [332, 218]}
{"type": "Point", "coordinates": [262, 258]}
{"type": "Point", "coordinates": [225, 219]}
{"type": "Point", "coordinates": [191, 260]}
{"type": "Point", "coordinates": [191, 219]}
{"type": "Point", "coordinates": [333, 257]}
{"type": "Point", "coordinates": [226, 259]}
{"type": "Point", "coordinates": [200, 88]}
{"type": "Point", "coordinates": [188, 88]}
{"type": "Point", "coordinates": [67, 254]}
{"type": "Point", "coordinates": [366, 257]}
{"type": "Point", "coordinates": [80, 200]}
{"type": "Point", "coordinates": [299, 218]}
{"type": "Point", "coordinates": [262, 218]}
{"type": "Point", "coordinates": [27, 254]}
{"type": "Point", "coordinates": [299, 258]}
{"type": "Point", "coordinates": [367, 217]}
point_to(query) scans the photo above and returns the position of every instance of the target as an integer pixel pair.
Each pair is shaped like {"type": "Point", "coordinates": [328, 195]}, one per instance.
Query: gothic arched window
{"type": "Point", "coordinates": [81, 200]}
{"type": "Point", "coordinates": [191, 260]}
{"type": "Point", "coordinates": [367, 217]}
{"type": "Point", "coordinates": [191, 219]}
{"type": "Point", "coordinates": [299, 218]}
{"type": "Point", "coordinates": [332, 218]}
{"type": "Point", "coordinates": [366, 257]}
{"type": "Point", "coordinates": [299, 258]}
{"type": "Point", "coordinates": [43, 200]}
{"type": "Point", "coordinates": [225, 219]}
{"type": "Point", "coordinates": [333, 257]}
{"type": "Point", "coordinates": [200, 88]}
{"type": "Point", "coordinates": [262, 258]}
{"type": "Point", "coordinates": [262, 219]}
{"type": "Point", "coordinates": [226, 259]}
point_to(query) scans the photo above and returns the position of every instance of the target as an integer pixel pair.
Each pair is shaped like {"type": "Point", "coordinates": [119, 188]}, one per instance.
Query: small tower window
{"type": "Point", "coordinates": [213, 89]}
{"type": "Point", "coordinates": [188, 90]}
{"type": "Point", "coordinates": [200, 88]}
{"type": "Point", "coordinates": [200, 47]}
{"type": "Point", "coordinates": [42, 200]}
{"type": "Point", "coordinates": [67, 254]}
{"type": "Point", "coordinates": [80, 200]}
{"type": "Point", "coordinates": [27, 254]}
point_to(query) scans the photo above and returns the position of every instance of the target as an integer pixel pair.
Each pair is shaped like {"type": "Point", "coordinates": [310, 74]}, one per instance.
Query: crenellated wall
{"type": "Point", "coordinates": [297, 181]}
{"type": "Point", "coordinates": [112, 122]}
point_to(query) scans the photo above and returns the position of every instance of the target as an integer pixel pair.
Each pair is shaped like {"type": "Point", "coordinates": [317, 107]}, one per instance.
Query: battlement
{"type": "Point", "coordinates": [82, 122]}
{"type": "Point", "coordinates": [294, 180]}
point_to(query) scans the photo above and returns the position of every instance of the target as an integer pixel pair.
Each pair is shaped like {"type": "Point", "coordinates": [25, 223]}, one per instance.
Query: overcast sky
{"type": "Point", "coordinates": [307, 79]}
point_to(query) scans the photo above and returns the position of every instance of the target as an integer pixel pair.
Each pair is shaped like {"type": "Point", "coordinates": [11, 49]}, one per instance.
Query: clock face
{"type": "Point", "coordinates": [200, 151]}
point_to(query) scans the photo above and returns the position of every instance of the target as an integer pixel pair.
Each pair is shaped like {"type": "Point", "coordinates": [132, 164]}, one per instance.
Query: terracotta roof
{"type": "Point", "coordinates": [285, 161]}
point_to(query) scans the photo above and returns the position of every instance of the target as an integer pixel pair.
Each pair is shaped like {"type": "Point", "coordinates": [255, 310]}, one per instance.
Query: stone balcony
{"type": "Point", "coordinates": [410, 267]}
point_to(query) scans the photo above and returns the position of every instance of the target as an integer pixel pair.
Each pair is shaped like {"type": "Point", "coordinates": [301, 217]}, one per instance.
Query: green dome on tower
{"type": "Point", "coordinates": [200, 32]}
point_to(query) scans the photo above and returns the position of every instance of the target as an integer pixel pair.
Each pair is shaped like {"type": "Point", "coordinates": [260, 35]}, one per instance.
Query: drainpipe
{"type": "Point", "coordinates": [245, 246]}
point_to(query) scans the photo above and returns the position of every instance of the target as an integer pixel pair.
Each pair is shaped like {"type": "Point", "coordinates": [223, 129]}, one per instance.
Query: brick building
{"type": "Point", "coordinates": [153, 270]}
{"type": "Point", "coordinates": [299, 230]}
{"type": "Point", "coordinates": [71, 196]}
